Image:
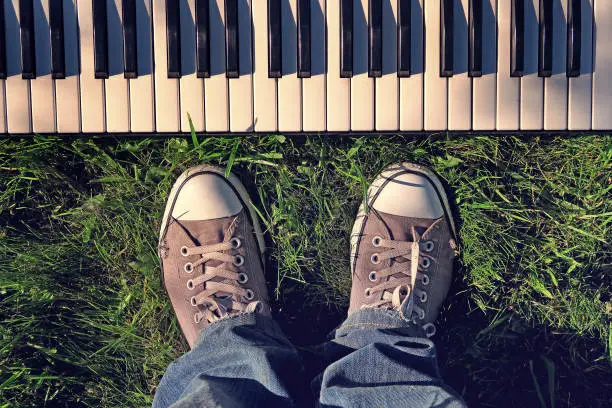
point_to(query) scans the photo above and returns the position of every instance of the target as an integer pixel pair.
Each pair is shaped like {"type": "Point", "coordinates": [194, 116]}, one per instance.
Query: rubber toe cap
{"type": "Point", "coordinates": [409, 195]}
{"type": "Point", "coordinates": [206, 197]}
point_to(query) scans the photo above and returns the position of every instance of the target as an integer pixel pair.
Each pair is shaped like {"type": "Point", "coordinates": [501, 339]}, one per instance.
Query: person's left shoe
{"type": "Point", "coordinates": [403, 245]}
{"type": "Point", "coordinates": [211, 249]}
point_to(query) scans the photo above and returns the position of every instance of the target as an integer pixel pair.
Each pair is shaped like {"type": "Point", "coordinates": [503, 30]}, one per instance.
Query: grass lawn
{"type": "Point", "coordinates": [85, 321]}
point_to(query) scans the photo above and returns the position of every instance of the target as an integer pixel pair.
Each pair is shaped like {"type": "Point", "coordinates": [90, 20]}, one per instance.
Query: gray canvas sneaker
{"type": "Point", "coordinates": [211, 249]}
{"type": "Point", "coordinates": [403, 245]}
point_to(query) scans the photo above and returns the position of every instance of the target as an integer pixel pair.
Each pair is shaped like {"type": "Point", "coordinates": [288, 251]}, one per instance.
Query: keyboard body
{"type": "Point", "coordinates": [329, 66]}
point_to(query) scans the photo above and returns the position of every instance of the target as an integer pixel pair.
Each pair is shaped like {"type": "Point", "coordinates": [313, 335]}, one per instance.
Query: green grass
{"type": "Point", "coordinates": [85, 321]}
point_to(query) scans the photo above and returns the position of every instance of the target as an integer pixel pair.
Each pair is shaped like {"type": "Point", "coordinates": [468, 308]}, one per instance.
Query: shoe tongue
{"type": "Point", "coordinates": [400, 228]}
{"type": "Point", "coordinates": [209, 232]}
{"type": "Point", "coordinates": [224, 301]}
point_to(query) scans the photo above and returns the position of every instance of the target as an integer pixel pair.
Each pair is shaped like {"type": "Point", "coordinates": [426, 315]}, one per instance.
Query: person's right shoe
{"type": "Point", "coordinates": [403, 245]}
{"type": "Point", "coordinates": [211, 248]}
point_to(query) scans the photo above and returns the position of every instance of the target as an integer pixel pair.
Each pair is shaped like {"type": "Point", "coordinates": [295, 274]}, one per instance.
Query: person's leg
{"type": "Point", "coordinates": [377, 358]}
{"type": "Point", "coordinates": [402, 249]}
{"type": "Point", "coordinates": [211, 250]}
{"type": "Point", "coordinates": [242, 361]}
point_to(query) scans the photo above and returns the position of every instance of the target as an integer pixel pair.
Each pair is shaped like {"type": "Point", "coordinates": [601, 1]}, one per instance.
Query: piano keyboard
{"type": "Point", "coordinates": [147, 66]}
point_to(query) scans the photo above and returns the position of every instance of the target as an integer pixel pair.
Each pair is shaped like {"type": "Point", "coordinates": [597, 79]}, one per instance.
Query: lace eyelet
{"type": "Point", "coordinates": [376, 241]}
{"type": "Point", "coordinates": [403, 291]}
{"type": "Point", "coordinates": [197, 318]}
{"type": "Point", "coordinates": [425, 280]}
{"type": "Point", "coordinates": [368, 292]}
{"type": "Point", "coordinates": [421, 314]}
{"type": "Point", "coordinates": [430, 329]}
{"type": "Point", "coordinates": [238, 260]}
{"type": "Point", "coordinates": [249, 295]}
{"type": "Point", "coordinates": [190, 284]}
{"type": "Point", "coordinates": [243, 278]}
{"type": "Point", "coordinates": [193, 301]}
{"type": "Point", "coordinates": [429, 246]}
{"type": "Point", "coordinates": [426, 263]}
{"type": "Point", "coordinates": [375, 259]}
{"type": "Point", "coordinates": [423, 297]}
{"type": "Point", "coordinates": [372, 276]}
{"type": "Point", "coordinates": [236, 243]}
{"type": "Point", "coordinates": [188, 267]}
{"type": "Point", "coordinates": [184, 251]}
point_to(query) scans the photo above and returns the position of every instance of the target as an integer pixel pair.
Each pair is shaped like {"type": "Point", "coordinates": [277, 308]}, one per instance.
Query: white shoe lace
{"type": "Point", "coordinates": [410, 262]}
{"type": "Point", "coordinates": [219, 291]}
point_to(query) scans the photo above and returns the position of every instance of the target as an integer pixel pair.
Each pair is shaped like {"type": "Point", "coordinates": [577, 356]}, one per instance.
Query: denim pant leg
{"type": "Point", "coordinates": [241, 361]}
{"type": "Point", "coordinates": [379, 359]}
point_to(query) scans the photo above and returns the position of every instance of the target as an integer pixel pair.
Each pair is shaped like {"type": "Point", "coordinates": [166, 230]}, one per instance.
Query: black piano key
{"type": "Point", "coordinates": [173, 38]}
{"type": "Point", "coordinates": [275, 40]}
{"type": "Point", "coordinates": [475, 40]}
{"type": "Point", "coordinates": [202, 38]}
{"type": "Point", "coordinates": [232, 68]}
{"type": "Point", "coordinates": [346, 38]}
{"type": "Point", "coordinates": [574, 38]}
{"type": "Point", "coordinates": [545, 57]}
{"type": "Point", "coordinates": [56, 24]}
{"type": "Point", "coordinates": [28, 50]}
{"type": "Point", "coordinates": [446, 38]}
{"type": "Point", "coordinates": [303, 39]}
{"type": "Point", "coordinates": [375, 39]}
{"type": "Point", "coordinates": [130, 40]}
{"type": "Point", "coordinates": [100, 32]}
{"type": "Point", "coordinates": [517, 38]}
{"type": "Point", "coordinates": [2, 42]}
{"type": "Point", "coordinates": [403, 38]}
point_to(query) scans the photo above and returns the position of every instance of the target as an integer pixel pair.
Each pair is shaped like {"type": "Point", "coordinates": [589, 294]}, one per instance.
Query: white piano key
{"type": "Point", "coordinates": [2, 106]}
{"type": "Point", "coordinates": [18, 108]}
{"type": "Point", "coordinates": [508, 88]}
{"type": "Point", "coordinates": [192, 87]}
{"type": "Point", "coordinates": [289, 86]}
{"type": "Point", "coordinates": [460, 85]}
{"type": "Point", "coordinates": [93, 115]}
{"type": "Point", "coordinates": [484, 88]}
{"type": "Point", "coordinates": [555, 87]}
{"type": "Point", "coordinates": [411, 88]}
{"type": "Point", "coordinates": [602, 69]}
{"type": "Point", "coordinates": [117, 96]}
{"type": "Point", "coordinates": [338, 89]}
{"type": "Point", "coordinates": [241, 88]}
{"type": "Point", "coordinates": [387, 86]}
{"type": "Point", "coordinates": [436, 87]}
{"type": "Point", "coordinates": [265, 106]}
{"type": "Point", "coordinates": [532, 86]}
{"type": "Point", "coordinates": [216, 95]}
{"type": "Point", "coordinates": [67, 89]}
{"type": "Point", "coordinates": [142, 106]}
{"type": "Point", "coordinates": [166, 89]}
{"type": "Point", "coordinates": [43, 98]}
{"type": "Point", "coordinates": [313, 88]}
{"type": "Point", "coordinates": [579, 99]}
{"type": "Point", "coordinates": [362, 86]}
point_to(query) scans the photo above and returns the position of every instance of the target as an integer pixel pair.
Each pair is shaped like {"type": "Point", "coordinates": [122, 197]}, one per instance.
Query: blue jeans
{"type": "Point", "coordinates": [374, 359]}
